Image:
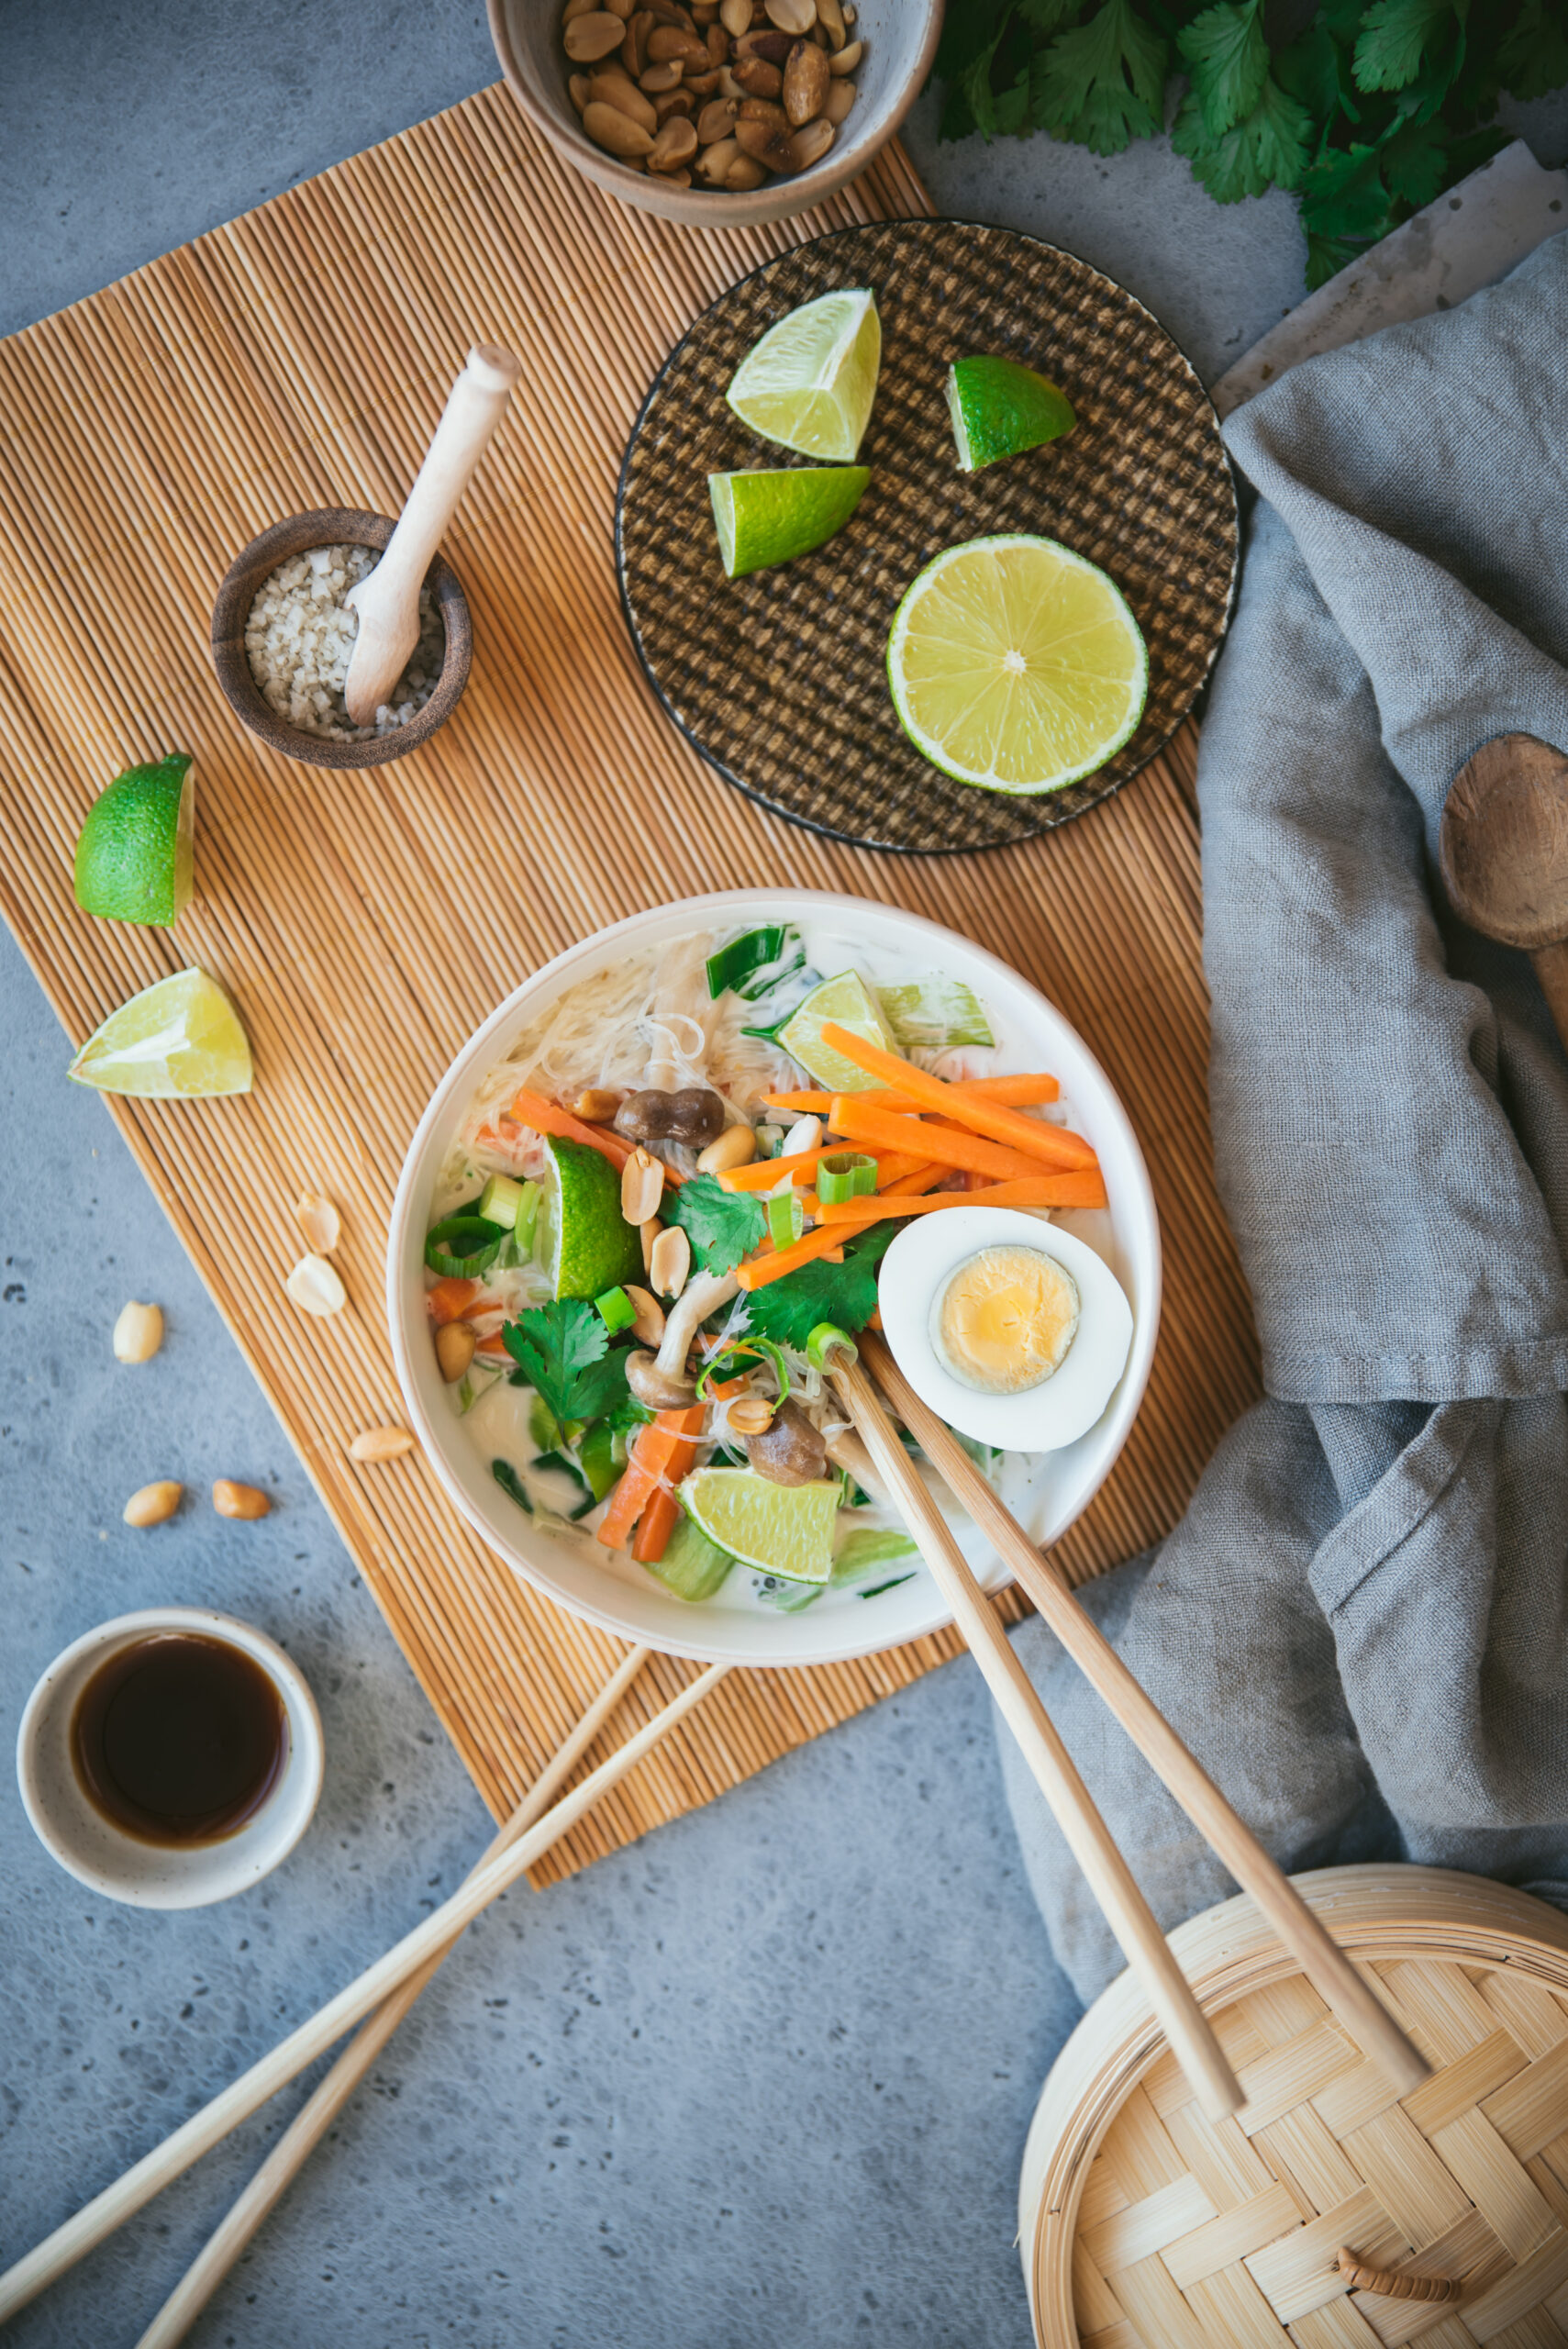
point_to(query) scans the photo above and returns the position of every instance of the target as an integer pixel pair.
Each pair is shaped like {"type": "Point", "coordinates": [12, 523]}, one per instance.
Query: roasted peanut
{"type": "Point", "coordinates": [675, 102]}
{"type": "Point", "coordinates": [634, 47]}
{"type": "Point", "coordinates": [811, 142]}
{"type": "Point", "coordinates": [716, 121]}
{"type": "Point", "coordinates": [767, 143]}
{"type": "Point", "coordinates": [599, 1103]}
{"type": "Point", "coordinates": [673, 148]}
{"type": "Point", "coordinates": [773, 48]}
{"type": "Point", "coordinates": [314, 1287]}
{"type": "Point", "coordinates": [246, 1501]}
{"type": "Point", "coordinates": [839, 99]}
{"type": "Point", "coordinates": [729, 87]}
{"type": "Point", "coordinates": [735, 16]}
{"type": "Point", "coordinates": [844, 60]}
{"type": "Point", "coordinates": [806, 82]}
{"type": "Point", "coordinates": [763, 110]}
{"type": "Point", "coordinates": [712, 165]}
{"type": "Point", "coordinates": [736, 1146]}
{"type": "Point", "coordinates": [657, 79]}
{"type": "Point", "coordinates": [153, 1503]}
{"type": "Point", "coordinates": [138, 1333]}
{"type": "Point", "coordinates": [608, 127]}
{"type": "Point", "coordinates": [830, 17]}
{"type": "Point", "coordinates": [701, 86]}
{"type": "Point", "coordinates": [378, 1444]}
{"type": "Point", "coordinates": [593, 36]}
{"type": "Point", "coordinates": [667, 45]}
{"type": "Point", "coordinates": [621, 8]}
{"type": "Point", "coordinates": [454, 1350]}
{"type": "Point", "coordinates": [670, 1264]}
{"type": "Point", "coordinates": [642, 1176]}
{"type": "Point", "coordinates": [649, 1234]}
{"type": "Point", "coordinates": [758, 79]}
{"type": "Point", "coordinates": [575, 8]}
{"type": "Point", "coordinates": [745, 171]}
{"type": "Point", "coordinates": [577, 90]}
{"type": "Point", "coordinates": [612, 85]}
{"type": "Point", "coordinates": [319, 1220]}
{"type": "Point", "coordinates": [649, 1325]}
{"type": "Point", "coordinates": [795, 16]}
{"type": "Point", "coordinates": [750, 1414]}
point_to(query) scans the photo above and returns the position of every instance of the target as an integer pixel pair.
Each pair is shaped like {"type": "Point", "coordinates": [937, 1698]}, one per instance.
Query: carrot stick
{"type": "Point", "coordinates": [657, 1523]}
{"type": "Point", "coordinates": [533, 1109]}
{"type": "Point", "coordinates": [1022, 1092]}
{"type": "Point", "coordinates": [1053, 1144]}
{"type": "Point", "coordinates": [895, 1167]}
{"type": "Point", "coordinates": [449, 1299]}
{"type": "Point", "coordinates": [760, 1270]}
{"type": "Point", "coordinates": [924, 1178]}
{"type": "Point", "coordinates": [663, 1450]}
{"type": "Point", "coordinates": [940, 1140]}
{"type": "Point", "coordinates": [1084, 1189]}
{"type": "Point", "coordinates": [763, 1173]}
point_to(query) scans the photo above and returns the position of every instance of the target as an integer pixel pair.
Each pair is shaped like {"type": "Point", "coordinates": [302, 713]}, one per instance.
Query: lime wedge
{"type": "Point", "coordinates": [849, 1000]}
{"type": "Point", "coordinates": [1015, 664]}
{"type": "Point", "coordinates": [177, 1040]}
{"type": "Point", "coordinates": [810, 381]}
{"type": "Point", "coordinates": [133, 854]}
{"type": "Point", "coordinates": [769, 517]}
{"type": "Point", "coordinates": [784, 1528]}
{"type": "Point", "coordinates": [588, 1244]}
{"type": "Point", "coordinates": [999, 407]}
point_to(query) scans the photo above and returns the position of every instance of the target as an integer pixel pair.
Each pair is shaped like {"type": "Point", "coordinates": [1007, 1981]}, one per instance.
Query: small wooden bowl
{"type": "Point", "coordinates": [331, 526]}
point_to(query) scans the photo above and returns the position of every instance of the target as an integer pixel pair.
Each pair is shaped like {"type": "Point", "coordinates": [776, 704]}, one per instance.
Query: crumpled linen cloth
{"type": "Point", "coordinates": [1361, 1624]}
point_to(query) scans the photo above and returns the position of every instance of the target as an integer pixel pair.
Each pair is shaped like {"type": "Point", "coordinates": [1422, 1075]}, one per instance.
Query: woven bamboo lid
{"type": "Point", "coordinates": [1144, 2226]}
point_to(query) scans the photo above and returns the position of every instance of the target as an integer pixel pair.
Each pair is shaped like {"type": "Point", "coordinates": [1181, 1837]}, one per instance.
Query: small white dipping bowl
{"type": "Point", "coordinates": [607, 1589]}
{"type": "Point", "coordinates": [120, 1866]}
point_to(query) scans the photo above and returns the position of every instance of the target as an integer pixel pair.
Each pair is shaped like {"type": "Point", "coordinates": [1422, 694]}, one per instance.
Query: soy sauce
{"type": "Point", "coordinates": [179, 1739]}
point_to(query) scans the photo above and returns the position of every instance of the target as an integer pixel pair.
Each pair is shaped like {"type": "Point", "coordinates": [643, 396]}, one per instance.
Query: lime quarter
{"type": "Point", "coordinates": [769, 517]}
{"type": "Point", "coordinates": [589, 1246]}
{"type": "Point", "coordinates": [134, 852]}
{"type": "Point", "coordinates": [1015, 664]}
{"type": "Point", "coordinates": [783, 1528]}
{"type": "Point", "coordinates": [178, 1040]}
{"type": "Point", "coordinates": [810, 381]}
{"type": "Point", "coordinates": [1000, 406]}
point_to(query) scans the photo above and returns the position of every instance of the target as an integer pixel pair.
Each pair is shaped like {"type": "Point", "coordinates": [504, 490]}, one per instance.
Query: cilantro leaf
{"type": "Point", "coordinates": [1533, 57]}
{"type": "Point", "coordinates": [1228, 59]}
{"type": "Point", "coordinates": [1313, 70]}
{"type": "Point", "coordinates": [1103, 85]}
{"type": "Point", "coordinates": [1342, 196]}
{"type": "Point", "coordinates": [563, 1350]}
{"type": "Point", "coordinates": [1268, 150]}
{"type": "Point", "coordinates": [1415, 162]}
{"type": "Point", "coordinates": [787, 1310]}
{"type": "Point", "coordinates": [1396, 36]}
{"type": "Point", "coordinates": [722, 1226]}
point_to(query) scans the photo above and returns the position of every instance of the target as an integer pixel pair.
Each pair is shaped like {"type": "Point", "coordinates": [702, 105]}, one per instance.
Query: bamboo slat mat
{"type": "Point", "coordinates": [366, 921]}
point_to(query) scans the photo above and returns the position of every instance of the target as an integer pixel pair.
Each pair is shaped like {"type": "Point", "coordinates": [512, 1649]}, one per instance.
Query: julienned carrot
{"type": "Point", "coordinates": [895, 1166]}
{"type": "Point", "coordinates": [1073, 1190]}
{"type": "Point", "coordinates": [1022, 1092]}
{"type": "Point", "coordinates": [1054, 1144]}
{"type": "Point", "coordinates": [760, 1270]}
{"type": "Point", "coordinates": [449, 1299]}
{"type": "Point", "coordinates": [654, 1527]}
{"type": "Point", "coordinates": [664, 1452]}
{"type": "Point", "coordinates": [763, 1173]}
{"type": "Point", "coordinates": [944, 1144]}
{"type": "Point", "coordinates": [546, 1118]}
{"type": "Point", "coordinates": [924, 1178]}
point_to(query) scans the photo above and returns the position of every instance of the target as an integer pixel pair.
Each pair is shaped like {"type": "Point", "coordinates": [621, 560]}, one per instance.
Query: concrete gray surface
{"type": "Point", "coordinates": [762, 2080]}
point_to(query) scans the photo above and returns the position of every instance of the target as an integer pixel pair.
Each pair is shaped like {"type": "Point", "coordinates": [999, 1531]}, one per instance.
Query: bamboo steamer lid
{"type": "Point", "coordinates": [1144, 2226]}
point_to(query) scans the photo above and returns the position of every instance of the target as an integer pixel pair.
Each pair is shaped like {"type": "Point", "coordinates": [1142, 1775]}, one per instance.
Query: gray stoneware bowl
{"type": "Point", "coordinates": [901, 40]}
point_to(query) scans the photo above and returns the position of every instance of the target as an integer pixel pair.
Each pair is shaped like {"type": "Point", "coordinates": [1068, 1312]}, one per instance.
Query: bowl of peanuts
{"type": "Point", "coordinates": [718, 113]}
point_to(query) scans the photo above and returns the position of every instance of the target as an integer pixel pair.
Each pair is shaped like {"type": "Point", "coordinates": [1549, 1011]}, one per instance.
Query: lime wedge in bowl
{"type": "Point", "coordinates": [134, 852]}
{"type": "Point", "coordinates": [999, 407]}
{"type": "Point", "coordinates": [810, 381]}
{"type": "Point", "coordinates": [178, 1040]}
{"type": "Point", "coordinates": [585, 1242]}
{"type": "Point", "coordinates": [1016, 664]}
{"type": "Point", "coordinates": [764, 519]}
{"type": "Point", "coordinates": [848, 1000]}
{"type": "Point", "coordinates": [783, 1528]}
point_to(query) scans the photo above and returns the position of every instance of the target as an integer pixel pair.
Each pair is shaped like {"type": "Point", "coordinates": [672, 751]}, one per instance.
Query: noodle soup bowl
{"type": "Point", "coordinates": [609, 1590]}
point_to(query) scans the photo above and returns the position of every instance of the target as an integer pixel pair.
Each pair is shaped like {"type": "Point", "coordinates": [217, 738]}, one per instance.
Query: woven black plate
{"type": "Point", "coordinates": [779, 679]}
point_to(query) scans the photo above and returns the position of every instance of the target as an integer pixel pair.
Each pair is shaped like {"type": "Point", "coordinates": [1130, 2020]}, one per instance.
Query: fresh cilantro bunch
{"type": "Point", "coordinates": [1367, 111]}
{"type": "Point", "coordinates": [562, 1350]}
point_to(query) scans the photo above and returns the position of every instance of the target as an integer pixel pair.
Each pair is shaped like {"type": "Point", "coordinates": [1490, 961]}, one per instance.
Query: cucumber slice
{"type": "Point", "coordinates": [692, 1567]}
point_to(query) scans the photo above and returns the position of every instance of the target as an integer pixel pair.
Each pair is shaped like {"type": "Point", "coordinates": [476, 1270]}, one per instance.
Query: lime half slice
{"type": "Point", "coordinates": [134, 852]}
{"type": "Point", "coordinates": [178, 1040]}
{"type": "Point", "coordinates": [1015, 664]}
{"type": "Point", "coordinates": [810, 384]}
{"type": "Point", "coordinates": [769, 517]}
{"type": "Point", "coordinates": [849, 1000]}
{"type": "Point", "coordinates": [1000, 406]}
{"type": "Point", "coordinates": [784, 1528]}
{"type": "Point", "coordinates": [588, 1244]}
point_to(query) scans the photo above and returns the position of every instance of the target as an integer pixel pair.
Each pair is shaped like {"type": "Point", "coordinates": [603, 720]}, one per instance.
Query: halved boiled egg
{"type": "Point", "coordinates": [1014, 1332]}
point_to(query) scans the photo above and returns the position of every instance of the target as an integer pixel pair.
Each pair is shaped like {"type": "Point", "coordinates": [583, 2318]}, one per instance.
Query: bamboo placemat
{"type": "Point", "coordinates": [366, 921]}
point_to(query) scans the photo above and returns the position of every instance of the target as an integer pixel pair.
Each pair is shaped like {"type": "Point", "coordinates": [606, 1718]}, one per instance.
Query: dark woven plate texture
{"type": "Point", "coordinates": [779, 680]}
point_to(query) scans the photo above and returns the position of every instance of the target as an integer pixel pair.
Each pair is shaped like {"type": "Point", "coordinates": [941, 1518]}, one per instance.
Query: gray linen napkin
{"type": "Point", "coordinates": [1361, 1624]}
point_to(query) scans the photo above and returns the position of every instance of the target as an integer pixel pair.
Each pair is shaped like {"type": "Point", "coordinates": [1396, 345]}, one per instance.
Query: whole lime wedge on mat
{"type": "Point", "coordinates": [784, 1528]}
{"type": "Point", "coordinates": [770, 517]}
{"type": "Point", "coordinates": [810, 381]}
{"type": "Point", "coordinates": [134, 852]}
{"type": "Point", "coordinates": [849, 1000]}
{"type": "Point", "coordinates": [178, 1040]}
{"type": "Point", "coordinates": [1015, 664]}
{"type": "Point", "coordinates": [1000, 406]}
{"type": "Point", "coordinates": [588, 1244]}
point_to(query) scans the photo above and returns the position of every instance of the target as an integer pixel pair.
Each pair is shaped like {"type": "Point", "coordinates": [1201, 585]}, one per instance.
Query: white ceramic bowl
{"type": "Point", "coordinates": [155, 1876]}
{"type": "Point", "coordinates": [620, 1596]}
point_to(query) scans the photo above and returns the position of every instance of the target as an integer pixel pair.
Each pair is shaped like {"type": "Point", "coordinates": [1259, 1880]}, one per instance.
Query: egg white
{"type": "Point", "coordinates": [1042, 1419]}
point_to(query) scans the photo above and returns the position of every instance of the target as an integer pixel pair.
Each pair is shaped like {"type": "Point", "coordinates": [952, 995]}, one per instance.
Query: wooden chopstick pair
{"type": "Point", "coordinates": [1323, 1963]}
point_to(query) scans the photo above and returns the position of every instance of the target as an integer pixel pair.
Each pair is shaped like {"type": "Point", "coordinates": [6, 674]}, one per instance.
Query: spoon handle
{"type": "Point", "coordinates": [1551, 970]}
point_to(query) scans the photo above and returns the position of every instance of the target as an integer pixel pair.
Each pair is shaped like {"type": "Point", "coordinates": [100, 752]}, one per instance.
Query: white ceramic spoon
{"type": "Point", "coordinates": [388, 598]}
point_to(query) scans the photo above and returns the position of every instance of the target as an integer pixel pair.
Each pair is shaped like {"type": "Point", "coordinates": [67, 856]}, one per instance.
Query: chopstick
{"type": "Point", "coordinates": [128, 2193]}
{"type": "Point", "coordinates": [1321, 1960]}
{"type": "Point", "coordinates": [1127, 1913]}
{"type": "Point", "coordinates": [315, 2115]}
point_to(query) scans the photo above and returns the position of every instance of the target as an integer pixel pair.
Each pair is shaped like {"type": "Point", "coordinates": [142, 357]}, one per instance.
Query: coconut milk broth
{"type": "Point", "coordinates": [497, 1422]}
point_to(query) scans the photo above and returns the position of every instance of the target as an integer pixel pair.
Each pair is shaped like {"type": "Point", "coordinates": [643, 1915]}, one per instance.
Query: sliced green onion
{"type": "Point", "coordinates": [786, 1218]}
{"type": "Point", "coordinates": [511, 1484]}
{"type": "Point", "coordinates": [726, 1364]}
{"type": "Point", "coordinates": [499, 1201]}
{"type": "Point", "coordinates": [614, 1309]}
{"type": "Point", "coordinates": [849, 1176]}
{"type": "Point", "coordinates": [825, 1339]}
{"type": "Point", "coordinates": [741, 957]}
{"type": "Point", "coordinates": [462, 1246]}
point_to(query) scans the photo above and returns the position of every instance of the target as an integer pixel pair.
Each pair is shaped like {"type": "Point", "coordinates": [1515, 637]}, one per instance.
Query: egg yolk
{"type": "Point", "coordinates": [1005, 1319]}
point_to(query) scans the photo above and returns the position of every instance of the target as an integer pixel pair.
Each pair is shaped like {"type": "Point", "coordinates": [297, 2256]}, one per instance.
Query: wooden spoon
{"type": "Point", "coordinates": [1504, 849]}
{"type": "Point", "coordinates": [388, 598]}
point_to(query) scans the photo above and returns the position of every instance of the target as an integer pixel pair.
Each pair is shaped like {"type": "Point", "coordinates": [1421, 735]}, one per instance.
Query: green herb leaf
{"type": "Point", "coordinates": [1415, 162]}
{"type": "Point", "coordinates": [787, 1310]}
{"type": "Point", "coordinates": [1532, 56]}
{"type": "Point", "coordinates": [1314, 71]}
{"type": "Point", "coordinates": [1399, 37]}
{"type": "Point", "coordinates": [1342, 196]}
{"type": "Point", "coordinates": [563, 1350]}
{"type": "Point", "coordinates": [1228, 59]}
{"type": "Point", "coordinates": [722, 1226]}
{"type": "Point", "coordinates": [1103, 85]}
{"type": "Point", "coordinates": [1268, 150]}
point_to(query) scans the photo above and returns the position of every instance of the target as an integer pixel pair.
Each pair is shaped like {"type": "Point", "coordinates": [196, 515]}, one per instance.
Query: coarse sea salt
{"type": "Point", "coordinates": [299, 638]}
